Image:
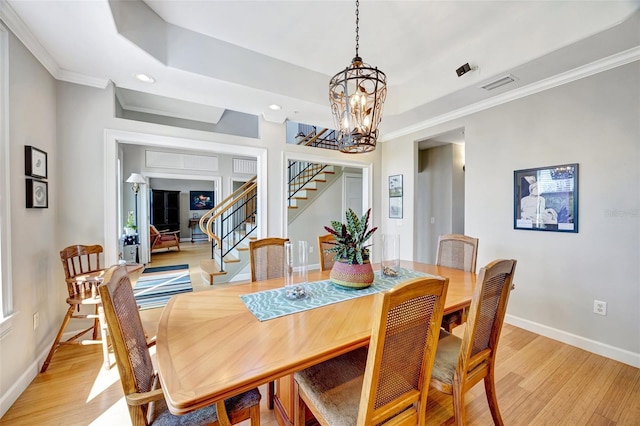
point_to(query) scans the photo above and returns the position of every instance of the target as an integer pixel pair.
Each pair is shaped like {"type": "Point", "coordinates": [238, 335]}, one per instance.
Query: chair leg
{"type": "Point", "coordinates": [458, 405]}
{"type": "Point", "coordinates": [492, 399]}
{"type": "Point", "coordinates": [65, 321]}
{"type": "Point", "coordinates": [96, 324]}
{"type": "Point", "coordinates": [299, 407]}
{"type": "Point", "coordinates": [254, 415]}
{"type": "Point", "coordinates": [103, 336]}
{"type": "Point", "coordinates": [271, 391]}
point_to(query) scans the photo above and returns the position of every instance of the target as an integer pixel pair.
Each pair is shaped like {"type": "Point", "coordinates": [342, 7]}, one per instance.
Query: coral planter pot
{"type": "Point", "coordinates": [354, 276]}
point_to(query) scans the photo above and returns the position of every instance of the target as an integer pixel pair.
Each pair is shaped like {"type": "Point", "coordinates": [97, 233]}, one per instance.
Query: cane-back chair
{"type": "Point", "coordinates": [267, 258]}
{"type": "Point", "coordinates": [140, 383]}
{"type": "Point", "coordinates": [390, 381]}
{"type": "Point", "coordinates": [326, 259]}
{"type": "Point", "coordinates": [456, 251]}
{"type": "Point", "coordinates": [82, 270]}
{"type": "Point", "coordinates": [461, 363]}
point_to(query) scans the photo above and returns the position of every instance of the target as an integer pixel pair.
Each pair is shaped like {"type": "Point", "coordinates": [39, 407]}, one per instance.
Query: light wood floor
{"type": "Point", "coordinates": [539, 382]}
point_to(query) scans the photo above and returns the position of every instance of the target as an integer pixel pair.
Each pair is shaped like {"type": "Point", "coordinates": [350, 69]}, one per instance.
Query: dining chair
{"type": "Point", "coordinates": [389, 382]}
{"type": "Point", "coordinates": [456, 251]}
{"type": "Point", "coordinates": [266, 257]}
{"type": "Point", "coordinates": [461, 363]}
{"type": "Point", "coordinates": [326, 259]}
{"type": "Point", "coordinates": [140, 383]}
{"type": "Point", "coordinates": [82, 263]}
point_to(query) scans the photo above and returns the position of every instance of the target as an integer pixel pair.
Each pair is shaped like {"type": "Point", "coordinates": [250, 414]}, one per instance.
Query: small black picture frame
{"type": "Point", "coordinates": [35, 162]}
{"type": "Point", "coordinates": [546, 198]}
{"type": "Point", "coordinates": [37, 194]}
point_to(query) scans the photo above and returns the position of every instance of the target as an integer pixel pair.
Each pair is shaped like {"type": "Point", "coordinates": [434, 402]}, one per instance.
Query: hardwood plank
{"type": "Point", "coordinates": [534, 384]}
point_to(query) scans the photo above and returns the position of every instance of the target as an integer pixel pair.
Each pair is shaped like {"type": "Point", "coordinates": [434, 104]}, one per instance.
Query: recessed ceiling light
{"type": "Point", "coordinates": [144, 78]}
{"type": "Point", "coordinates": [275, 107]}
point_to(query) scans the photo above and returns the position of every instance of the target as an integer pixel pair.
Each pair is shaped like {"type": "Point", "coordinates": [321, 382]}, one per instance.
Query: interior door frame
{"type": "Point", "coordinates": [367, 176]}
{"type": "Point", "coordinates": [112, 140]}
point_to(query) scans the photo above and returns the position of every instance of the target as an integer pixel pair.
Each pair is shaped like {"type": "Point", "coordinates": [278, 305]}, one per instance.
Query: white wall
{"type": "Point", "coordinates": [74, 125]}
{"type": "Point", "coordinates": [35, 232]}
{"type": "Point", "coordinates": [310, 223]}
{"type": "Point", "coordinates": [594, 122]}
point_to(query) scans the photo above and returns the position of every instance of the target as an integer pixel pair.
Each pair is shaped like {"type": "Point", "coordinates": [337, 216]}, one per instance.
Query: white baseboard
{"type": "Point", "coordinates": [593, 346]}
{"type": "Point", "coordinates": [11, 395]}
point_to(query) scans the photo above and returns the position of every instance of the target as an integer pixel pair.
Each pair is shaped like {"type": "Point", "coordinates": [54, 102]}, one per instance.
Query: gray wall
{"type": "Point", "coordinates": [439, 195]}
{"type": "Point", "coordinates": [595, 122]}
{"type": "Point", "coordinates": [71, 123]}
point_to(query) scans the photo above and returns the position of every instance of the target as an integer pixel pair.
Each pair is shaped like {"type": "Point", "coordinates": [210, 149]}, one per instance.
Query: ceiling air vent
{"type": "Point", "coordinates": [499, 82]}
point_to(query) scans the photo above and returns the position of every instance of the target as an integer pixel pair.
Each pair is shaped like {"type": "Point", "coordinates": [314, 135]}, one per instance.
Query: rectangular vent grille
{"type": "Point", "coordinates": [499, 82]}
{"type": "Point", "coordinates": [244, 166]}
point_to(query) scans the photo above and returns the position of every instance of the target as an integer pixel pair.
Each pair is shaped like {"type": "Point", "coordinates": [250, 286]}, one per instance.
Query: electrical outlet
{"type": "Point", "coordinates": [599, 307]}
{"type": "Point", "coordinates": [36, 320]}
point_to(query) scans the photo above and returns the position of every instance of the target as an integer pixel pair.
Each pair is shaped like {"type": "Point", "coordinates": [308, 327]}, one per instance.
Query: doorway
{"type": "Point", "coordinates": [440, 195]}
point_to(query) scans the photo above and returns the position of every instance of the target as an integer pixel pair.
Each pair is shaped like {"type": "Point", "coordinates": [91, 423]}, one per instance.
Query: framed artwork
{"type": "Point", "coordinates": [395, 207]}
{"type": "Point", "coordinates": [201, 200]}
{"type": "Point", "coordinates": [37, 193]}
{"type": "Point", "coordinates": [395, 197]}
{"type": "Point", "coordinates": [546, 198]}
{"type": "Point", "coordinates": [395, 186]}
{"type": "Point", "coordinates": [35, 162]}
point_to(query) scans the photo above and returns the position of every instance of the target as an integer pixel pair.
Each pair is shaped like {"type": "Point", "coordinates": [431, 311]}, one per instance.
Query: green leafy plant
{"type": "Point", "coordinates": [350, 238]}
{"type": "Point", "coordinates": [130, 223]}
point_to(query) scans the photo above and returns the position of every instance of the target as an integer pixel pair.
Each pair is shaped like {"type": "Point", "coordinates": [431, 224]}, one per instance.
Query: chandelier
{"type": "Point", "coordinates": [357, 96]}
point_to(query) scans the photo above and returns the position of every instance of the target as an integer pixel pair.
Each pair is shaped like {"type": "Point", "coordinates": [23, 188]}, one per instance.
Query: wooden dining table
{"type": "Point", "coordinates": [210, 346]}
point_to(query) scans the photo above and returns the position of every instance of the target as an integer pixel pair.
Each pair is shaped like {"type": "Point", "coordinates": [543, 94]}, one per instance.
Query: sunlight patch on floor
{"type": "Point", "coordinates": [104, 380]}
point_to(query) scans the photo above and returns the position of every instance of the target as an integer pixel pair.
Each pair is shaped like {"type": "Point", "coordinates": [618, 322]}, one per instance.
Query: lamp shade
{"type": "Point", "coordinates": [136, 178]}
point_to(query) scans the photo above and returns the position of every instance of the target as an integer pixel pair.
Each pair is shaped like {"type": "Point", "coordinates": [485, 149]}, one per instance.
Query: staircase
{"type": "Point", "coordinates": [229, 226]}
{"type": "Point", "coordinates": [306, 182]}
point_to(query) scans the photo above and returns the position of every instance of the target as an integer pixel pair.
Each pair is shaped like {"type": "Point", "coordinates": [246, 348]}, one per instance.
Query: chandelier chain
{"type": "Point", "coordinates": [357, 26]}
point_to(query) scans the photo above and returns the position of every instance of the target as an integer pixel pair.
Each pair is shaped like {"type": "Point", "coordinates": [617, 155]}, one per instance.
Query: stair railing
{"type": "Point", "coordinates": [300, 173]}
{"type": "Point", "coordinates": [213, 222]}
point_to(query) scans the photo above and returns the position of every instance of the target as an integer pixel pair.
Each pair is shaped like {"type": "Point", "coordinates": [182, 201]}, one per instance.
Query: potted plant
{"type": "Point", "coordinates": [130, 225]}
{"type": "Point", "coordinates": [352, 268]}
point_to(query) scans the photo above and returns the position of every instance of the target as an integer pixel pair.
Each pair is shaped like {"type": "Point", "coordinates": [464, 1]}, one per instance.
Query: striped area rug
{"type": "Point", "coordinates": [156, 285]}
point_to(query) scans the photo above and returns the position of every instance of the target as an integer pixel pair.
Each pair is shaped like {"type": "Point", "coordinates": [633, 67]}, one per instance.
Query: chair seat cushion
{"type": "Point", "coordinates": [206, 415]}
{"type": "Point", "coordinates": [335, 386]}
{"type": "Point", "coordinates": [446, 361]}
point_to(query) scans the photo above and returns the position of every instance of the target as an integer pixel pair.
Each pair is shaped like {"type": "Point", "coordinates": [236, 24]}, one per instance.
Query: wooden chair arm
{"type": "Point", "coordinates": [141, 398]}
{"type": "Point", "coordinates": [169, 232]}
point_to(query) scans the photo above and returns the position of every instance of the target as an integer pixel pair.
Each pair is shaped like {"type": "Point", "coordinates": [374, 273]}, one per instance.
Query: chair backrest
{"type": "Point", "coordinates": [79, 260]}
{"type": "Point", "coordinates": [267, 258]}
{"type": "Point", "coordinates": [402, 351]}
{"type": "Point", "coordinates": [326, 259]}
{"type": "Point", "coordinates": [457, 251]}
{"type": "Point", "coordinates": [127, 337]}
{"type": "Point", "coordinates": [486, 316]}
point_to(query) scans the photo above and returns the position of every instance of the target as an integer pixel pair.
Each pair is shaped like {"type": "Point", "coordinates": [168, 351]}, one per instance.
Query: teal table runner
{"type": "Point", "coordinates": [269, 304]}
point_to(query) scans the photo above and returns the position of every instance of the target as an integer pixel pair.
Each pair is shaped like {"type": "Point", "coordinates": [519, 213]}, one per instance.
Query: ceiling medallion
{"type": "Point", "coordinates": [357, 95]}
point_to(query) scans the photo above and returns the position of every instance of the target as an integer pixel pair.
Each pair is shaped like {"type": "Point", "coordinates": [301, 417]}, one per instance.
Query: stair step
{"type": "Point", "coordinates": [229, 258]}
{"type": "Point", "coordinates": [210, 268]}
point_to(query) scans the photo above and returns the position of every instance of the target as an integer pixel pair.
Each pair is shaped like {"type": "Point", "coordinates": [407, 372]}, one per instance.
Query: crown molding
{"type": "Point", "coordinates": [17, 26]}
{"type": "Point", "coordinates": [601, 65]}
{"type": "Point", "coordinates": [85, 80]}
{"type": "Point", "coordinates": [24, 34]}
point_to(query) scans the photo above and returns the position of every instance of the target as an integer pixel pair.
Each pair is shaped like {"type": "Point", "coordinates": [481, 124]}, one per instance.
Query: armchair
{"type": "Point", "coordinates": [163, 239]}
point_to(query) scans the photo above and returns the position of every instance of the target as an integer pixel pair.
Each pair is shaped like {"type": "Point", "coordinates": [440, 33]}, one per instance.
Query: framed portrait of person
{"type": "Point", "coordinates": [546, 198]}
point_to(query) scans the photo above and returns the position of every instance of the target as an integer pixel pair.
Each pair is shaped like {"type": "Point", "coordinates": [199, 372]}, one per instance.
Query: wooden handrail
{"type": "Point", "coordinates": [313, 139]}
{"type": "Point", "coordinates": [212, 219]}
{"type": "Point", "coordinates": [221, 206]}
